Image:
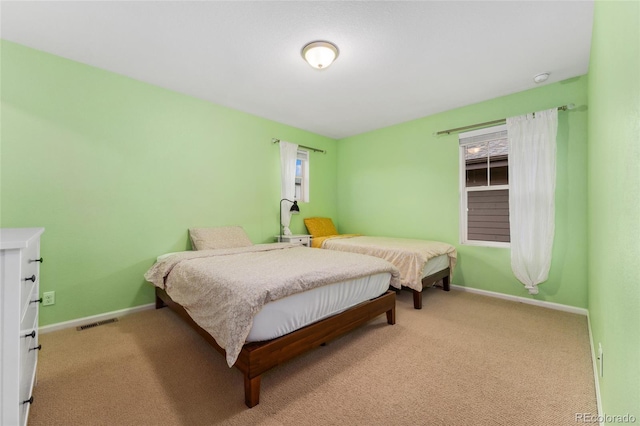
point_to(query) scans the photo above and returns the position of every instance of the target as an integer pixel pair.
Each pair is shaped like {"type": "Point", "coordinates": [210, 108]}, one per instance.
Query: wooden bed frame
{"type": "Point", "coordinates": [256, 358]}
{"type": "Point", "coordinates": [443, 275]}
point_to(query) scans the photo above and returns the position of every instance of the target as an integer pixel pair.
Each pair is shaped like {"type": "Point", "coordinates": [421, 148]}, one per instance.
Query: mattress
{"type": "Point", "coordinates": [301, 309]}
{"type": "Point", "coordinates": [435, 264]}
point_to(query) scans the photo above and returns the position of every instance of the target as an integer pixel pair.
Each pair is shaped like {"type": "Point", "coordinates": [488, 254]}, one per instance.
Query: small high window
{"type": "Point", "coordinates": [302, 176]}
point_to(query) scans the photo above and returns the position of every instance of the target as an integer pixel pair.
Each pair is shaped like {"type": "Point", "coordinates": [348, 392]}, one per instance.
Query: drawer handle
{"type": "Point", "coordinates": [31, 278]}
{"type": "Point", "coordinates": [28, 401]}
{"type": "Point", "coordinates": [37, 260]}
{"type": "Point", "coordinates": [32, 334]}
{"type": "Point", "coordinates": [37, 348]}
{"type": "Point", "coordinates": [36, 301]}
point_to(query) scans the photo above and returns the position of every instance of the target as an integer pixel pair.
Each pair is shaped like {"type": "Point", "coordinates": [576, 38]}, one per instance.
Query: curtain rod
{"type": "Point", "coordinates": [274, 140]}
{"type": "Point", "coordinates": [490, 123]}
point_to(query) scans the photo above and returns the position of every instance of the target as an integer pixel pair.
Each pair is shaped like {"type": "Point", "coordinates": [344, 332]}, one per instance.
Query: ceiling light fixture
{"type": "Point", "coordinates": [541, 77]}
{"type": "Point", "coordinates": [320, 54]}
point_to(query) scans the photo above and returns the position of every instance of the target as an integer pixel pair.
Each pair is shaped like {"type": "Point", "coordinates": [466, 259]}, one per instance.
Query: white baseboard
{"type": "Point", "coordinates": [542, 303]}
{"type": "Point", "coordinates": [93, 318]}
{"type": "Point", "coordinates": [596, 376]}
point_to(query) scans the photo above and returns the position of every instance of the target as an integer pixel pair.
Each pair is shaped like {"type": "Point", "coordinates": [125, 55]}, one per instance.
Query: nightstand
{"type": "Point", "coordinates": [300, 238]}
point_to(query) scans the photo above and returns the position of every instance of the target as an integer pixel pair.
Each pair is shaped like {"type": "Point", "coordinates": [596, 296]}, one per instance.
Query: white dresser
{"type": "Point", "coordinates": [19, 302]}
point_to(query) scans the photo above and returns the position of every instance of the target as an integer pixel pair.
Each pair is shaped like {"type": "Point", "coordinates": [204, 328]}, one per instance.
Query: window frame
{"type": "Point", "coordinates": [303, 155]}
{"type": "Point", "coordinates": [464, 190]}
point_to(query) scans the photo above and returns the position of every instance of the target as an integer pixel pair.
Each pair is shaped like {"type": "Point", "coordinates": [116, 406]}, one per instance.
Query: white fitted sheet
{"type": "Point", "coordinates": [301, 309]}
{"type": "Point", "coordinates": [435, 264]}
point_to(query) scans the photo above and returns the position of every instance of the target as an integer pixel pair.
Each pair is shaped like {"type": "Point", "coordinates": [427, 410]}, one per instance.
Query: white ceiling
{"type": "Point", "coordinates": [398, 60]}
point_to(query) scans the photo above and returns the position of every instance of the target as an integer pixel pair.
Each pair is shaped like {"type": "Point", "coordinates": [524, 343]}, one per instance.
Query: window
{"type": "Point", "coordinates": [484, 187]}
{"type": "Point", "coordinates": [302, 176]}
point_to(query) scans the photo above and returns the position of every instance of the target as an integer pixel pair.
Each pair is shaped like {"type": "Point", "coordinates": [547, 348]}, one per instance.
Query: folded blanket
{"type": "Point", "coordinates": [223, 290]}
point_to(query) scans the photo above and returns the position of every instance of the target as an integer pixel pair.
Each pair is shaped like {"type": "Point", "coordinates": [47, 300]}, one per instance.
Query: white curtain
{"type": "Point", "coordinates": [532, 185]}
{"type": "Point", "coordinates": [288, 156]}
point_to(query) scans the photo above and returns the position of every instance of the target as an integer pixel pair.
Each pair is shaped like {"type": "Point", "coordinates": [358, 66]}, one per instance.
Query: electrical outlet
{"type": "Point", "coordinates": [601, 359]}
{"type": "Point", "coordinates": [48, 298]}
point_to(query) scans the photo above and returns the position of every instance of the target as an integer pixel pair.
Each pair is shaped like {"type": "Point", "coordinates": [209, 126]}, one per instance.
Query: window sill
{"type": "Point", "coordinates": [486, 244]}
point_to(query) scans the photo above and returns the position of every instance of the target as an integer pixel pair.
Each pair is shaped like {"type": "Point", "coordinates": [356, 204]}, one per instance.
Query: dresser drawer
{"type": "Point", "coordinates": [30, 268]}
{"type": "Point", "coordinates": [24, 413]}
{"type": "Point", "coordinates": [28, 360]}
{"type": "Point", "coordinates": [29, 320]}
{"type": "Point", "coordinates": [27, 381]}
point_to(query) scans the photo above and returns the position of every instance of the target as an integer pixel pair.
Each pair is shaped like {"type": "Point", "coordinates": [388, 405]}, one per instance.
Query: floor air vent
{"type": "Point", "coordinates": [95, 324]}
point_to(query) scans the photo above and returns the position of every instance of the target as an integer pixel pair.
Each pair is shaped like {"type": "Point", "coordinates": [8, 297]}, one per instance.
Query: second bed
{"type": "Point", "coordinates": [421, 262]}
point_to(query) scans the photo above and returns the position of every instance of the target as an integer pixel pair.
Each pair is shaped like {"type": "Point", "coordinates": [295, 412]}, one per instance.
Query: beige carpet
{"type": "Point", "coordinates": [463, 359]}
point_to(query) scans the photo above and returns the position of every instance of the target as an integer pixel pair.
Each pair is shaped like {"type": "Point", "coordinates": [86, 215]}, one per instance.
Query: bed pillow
{"type": "Point", "coordinates": [320, 226]}
{"type": "Point", "coordinates": [164, 256]}
{"type": "Point", "coordinates": [219, 238]}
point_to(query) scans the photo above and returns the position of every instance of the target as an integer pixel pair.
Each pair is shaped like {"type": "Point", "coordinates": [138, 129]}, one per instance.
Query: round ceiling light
{"type": "Point", "coordinates": [320, 54]}
{"type": "Point", "coordinates": [541, 77]}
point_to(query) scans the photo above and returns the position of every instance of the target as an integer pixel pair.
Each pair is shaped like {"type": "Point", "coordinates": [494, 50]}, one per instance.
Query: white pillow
{"type": "Point", "coordinates": [219, 238]}
{"type": "Point", "coordinates": [164, 256]}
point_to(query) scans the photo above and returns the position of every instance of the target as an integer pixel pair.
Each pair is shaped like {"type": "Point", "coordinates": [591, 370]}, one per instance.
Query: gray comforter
{"type": "Point", "coordinates": [224, 289]}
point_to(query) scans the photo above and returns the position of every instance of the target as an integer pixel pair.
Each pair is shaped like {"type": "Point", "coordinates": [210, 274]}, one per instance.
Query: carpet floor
{"type": "Point", "coordinates": [464, 359]}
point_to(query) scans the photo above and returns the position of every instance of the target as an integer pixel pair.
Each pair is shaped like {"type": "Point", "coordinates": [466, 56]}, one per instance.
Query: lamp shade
{"type": "Point", "coordinates": [293, 210]}
{"type": "Point", "coordinates": [320, 54]}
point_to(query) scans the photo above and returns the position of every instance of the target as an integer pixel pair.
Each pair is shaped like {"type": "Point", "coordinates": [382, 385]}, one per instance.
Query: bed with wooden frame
{"type": "Point", "coordinates": [173, 278]}
{"type": "Point", "coordinates": [421, 263]}
{"type": "Point", "coordinates": [258, 357]}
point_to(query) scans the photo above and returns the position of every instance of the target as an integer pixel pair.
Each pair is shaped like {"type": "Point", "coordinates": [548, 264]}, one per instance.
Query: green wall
{"type": "Point", "coordinates": [614, 202]}
{"type": "Point", "coordinates": [117, 170]}
{"type": "Point", "coordinates": [403, 181]}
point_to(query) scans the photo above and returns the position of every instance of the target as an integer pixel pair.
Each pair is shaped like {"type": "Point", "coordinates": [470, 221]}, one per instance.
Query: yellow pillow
{"type": "Point", "coordinates": [320, 226]}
